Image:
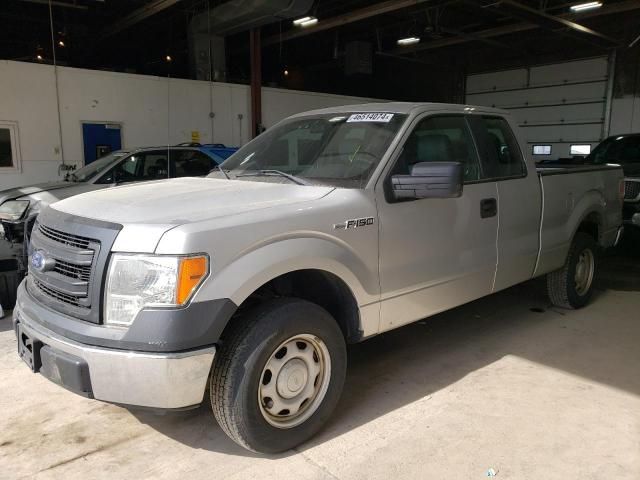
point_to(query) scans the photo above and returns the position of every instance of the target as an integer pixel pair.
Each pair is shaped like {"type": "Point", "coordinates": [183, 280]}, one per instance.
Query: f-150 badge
{"type": "Point", "coordinates": [354, 223]}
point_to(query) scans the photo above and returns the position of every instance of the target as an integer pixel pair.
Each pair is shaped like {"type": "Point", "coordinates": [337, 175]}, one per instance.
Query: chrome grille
{"type": "Point", "coordinates": [631, 189]}
{"type": "Point", "coordinates": [75, 253]}
{"type": "Point", "coordinates": [68, 281]}
{"type": "Point", "coordinates": [79, 272]}
{"type": "Point", "coordinates": [58, 295]}
{"type": "Point", "coordinates": [65, 238]}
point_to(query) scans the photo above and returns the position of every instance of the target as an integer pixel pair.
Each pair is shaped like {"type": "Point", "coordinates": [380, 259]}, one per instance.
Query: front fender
{"type": "Point", "coordinates": [251, 270]}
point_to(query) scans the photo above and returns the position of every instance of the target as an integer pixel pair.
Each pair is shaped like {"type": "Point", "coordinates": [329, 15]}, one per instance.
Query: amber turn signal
{"type": "Point", "coordinates": [191, 272]}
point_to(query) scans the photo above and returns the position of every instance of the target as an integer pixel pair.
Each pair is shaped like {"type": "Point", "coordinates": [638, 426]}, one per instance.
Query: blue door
{"type": "Point", "coordinates": [100, 139]}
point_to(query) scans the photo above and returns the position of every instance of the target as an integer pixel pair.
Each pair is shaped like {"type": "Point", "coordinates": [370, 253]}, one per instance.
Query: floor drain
{"type": "Point", "coordinates": [537, 310]}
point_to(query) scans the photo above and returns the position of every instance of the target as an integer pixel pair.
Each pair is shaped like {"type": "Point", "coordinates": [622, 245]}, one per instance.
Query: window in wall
{"type": "Point", "coordinates": [542, 149]}
{"type": "Point", "coordinates": [9, 146]}
{"type": "Point", "coordinates": [580, 149]}
{"type": "Point", "coordinates": [440, 139]}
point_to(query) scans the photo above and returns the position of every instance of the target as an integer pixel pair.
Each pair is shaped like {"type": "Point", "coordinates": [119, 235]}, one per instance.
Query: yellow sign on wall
{"type": "Point", "coordinates": [195, 136]}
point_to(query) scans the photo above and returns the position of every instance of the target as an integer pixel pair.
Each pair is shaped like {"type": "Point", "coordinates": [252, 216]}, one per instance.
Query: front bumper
{"type": "Point", "coordinates": [154, 380]}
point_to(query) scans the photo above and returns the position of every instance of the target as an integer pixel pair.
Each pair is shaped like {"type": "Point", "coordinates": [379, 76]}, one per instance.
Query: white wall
{"type": "Point", "coordinates": [152, 111]}
{"type": "Point", "coordinates": [625, 115]}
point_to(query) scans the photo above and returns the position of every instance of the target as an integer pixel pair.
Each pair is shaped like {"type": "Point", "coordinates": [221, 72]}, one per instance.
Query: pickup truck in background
{"type": "Point", "coordinates": [20, 206]}
{"type": "Point", "coordinates": [625, 151]}
{"type": "Point", "coordinates": [331, 227]}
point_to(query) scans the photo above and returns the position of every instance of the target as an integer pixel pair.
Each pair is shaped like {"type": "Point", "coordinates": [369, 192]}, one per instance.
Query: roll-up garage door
{"type": "Point", "coordinates": [562, 107]}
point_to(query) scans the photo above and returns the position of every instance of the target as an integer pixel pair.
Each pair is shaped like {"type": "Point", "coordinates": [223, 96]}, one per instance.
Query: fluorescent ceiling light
{"type": "Point", "coordinates": [305, 21]}
{"type": "Point", "coordinates": [585, 6]}
{"type": "Point", "coordinates": [408, 41]}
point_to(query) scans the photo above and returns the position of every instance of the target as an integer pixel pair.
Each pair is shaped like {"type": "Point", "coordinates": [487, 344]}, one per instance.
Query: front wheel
{"type": "Point", "coordinates": [278, 375]}
{"type": "Point", "coordinates": [572, 285]}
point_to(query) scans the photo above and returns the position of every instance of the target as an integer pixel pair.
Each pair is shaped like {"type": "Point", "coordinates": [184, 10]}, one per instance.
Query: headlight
{"type": "Point", "coordinates": [138, 281]}
{"type": "Point", "coordinates": [13, 209]}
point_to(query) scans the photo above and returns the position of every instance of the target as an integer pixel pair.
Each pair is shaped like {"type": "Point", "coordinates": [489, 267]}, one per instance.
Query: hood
{"type": "Point", "coordinates": [186, 200]}
{"type": "Point", "coordinates": [44, 194]}
{"type": "Point", "coordinates": [18, 192]}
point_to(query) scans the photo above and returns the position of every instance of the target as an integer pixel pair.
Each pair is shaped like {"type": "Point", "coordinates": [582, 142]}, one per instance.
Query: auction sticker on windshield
{"type": "Point", "coordinates": [370, 117]}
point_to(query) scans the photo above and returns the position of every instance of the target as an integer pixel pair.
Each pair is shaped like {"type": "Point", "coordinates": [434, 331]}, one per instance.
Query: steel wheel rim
{"type": "Point", "coordinates": [584, 272]}
{"type": "Point", "coordinates": [294, 381]}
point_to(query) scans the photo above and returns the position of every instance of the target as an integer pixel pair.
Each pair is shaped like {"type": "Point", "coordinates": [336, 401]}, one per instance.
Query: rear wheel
{"type": "Point", "coordinates": [572, 285]}
{"type": "Point", "coordinates": [278, 375]}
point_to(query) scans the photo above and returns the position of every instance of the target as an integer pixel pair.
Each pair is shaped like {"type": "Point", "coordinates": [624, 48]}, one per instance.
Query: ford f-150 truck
{"type": "Point", "coordinates": [329, 228]}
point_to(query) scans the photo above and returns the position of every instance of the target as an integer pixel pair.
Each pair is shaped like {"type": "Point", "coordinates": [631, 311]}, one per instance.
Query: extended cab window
{"type": "Point", "coordinates": [499, 150]}
{"type": "Point", "coordinates": [440, 139]}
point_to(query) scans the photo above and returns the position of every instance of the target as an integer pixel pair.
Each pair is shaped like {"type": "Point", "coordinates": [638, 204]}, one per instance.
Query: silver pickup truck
{"type": "Point", "coordinates": [331, 227]}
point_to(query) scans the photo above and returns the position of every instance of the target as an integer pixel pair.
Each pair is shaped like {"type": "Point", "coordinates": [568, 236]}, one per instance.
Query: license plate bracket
{"type": "Point", "coordinates": [29, 349]}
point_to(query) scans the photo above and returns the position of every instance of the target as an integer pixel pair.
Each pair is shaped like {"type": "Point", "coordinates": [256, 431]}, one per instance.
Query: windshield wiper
{"type": "Point", "coordinates": [267, 173]}
{"type": "Point", "coordinates": [223, 172]}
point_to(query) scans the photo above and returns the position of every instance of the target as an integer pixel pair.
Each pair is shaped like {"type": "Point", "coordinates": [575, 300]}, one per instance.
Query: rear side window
{"type": "Point", "coordinates": [191, 163]}
{"type": "Point", "coordinates": [499, 150]}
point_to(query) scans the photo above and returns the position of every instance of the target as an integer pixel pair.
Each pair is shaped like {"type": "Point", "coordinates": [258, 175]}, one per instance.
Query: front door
{"type": "Point", "coordinates": [100, 139]}
{"type": "Point", "coordinates": [518, 195]}
{"type": "Point", "coordinates": [436, 254]}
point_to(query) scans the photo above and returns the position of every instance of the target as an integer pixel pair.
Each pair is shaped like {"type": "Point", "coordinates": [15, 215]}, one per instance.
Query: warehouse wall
{"type": "Point", "coordinates": [565, 103]}
{"type": "Point", "coordinates": [558, 105]}
{"type": "Point", "coordinates": [625, 115]}
{"type": "Point", "coordinates": [152, 111]}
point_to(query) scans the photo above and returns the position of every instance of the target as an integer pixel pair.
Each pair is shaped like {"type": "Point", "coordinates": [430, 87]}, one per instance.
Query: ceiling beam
{"type": "Point", "coordinates": [547, 21]}
{"type": "Point", "coordinates": [344, 19]}
{"type": "Point", "coordinates": [619, 7]}
{"type": "Point", "coordinates": [59, 4]}
{"type": "Point", "coordinates": [151, 8]}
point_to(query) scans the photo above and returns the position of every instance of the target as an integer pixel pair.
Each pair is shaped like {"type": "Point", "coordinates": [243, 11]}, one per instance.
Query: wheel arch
{"type": "Point", "coordinates": [317, 286]}
{"type": "Point", "coordinates": [316, 270]}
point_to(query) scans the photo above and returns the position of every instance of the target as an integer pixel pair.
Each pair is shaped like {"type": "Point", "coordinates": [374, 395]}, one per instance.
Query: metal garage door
{"type": "Point", "coordinates": [558, 105]}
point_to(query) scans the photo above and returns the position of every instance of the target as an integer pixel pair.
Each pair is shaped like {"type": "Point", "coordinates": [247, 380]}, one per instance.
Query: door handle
{"type": "Point", "coordinates": [488, 207]}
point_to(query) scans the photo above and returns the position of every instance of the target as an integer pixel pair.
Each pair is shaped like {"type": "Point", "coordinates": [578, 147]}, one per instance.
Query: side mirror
{"type": "Point", "coordinates": [429, 180]}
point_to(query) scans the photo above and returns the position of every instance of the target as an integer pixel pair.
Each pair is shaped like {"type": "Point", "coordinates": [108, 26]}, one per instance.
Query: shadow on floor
{"type": "Point", "coordinates": [399, 367]}
{"type": "Point", "coordinates": [6, 323]}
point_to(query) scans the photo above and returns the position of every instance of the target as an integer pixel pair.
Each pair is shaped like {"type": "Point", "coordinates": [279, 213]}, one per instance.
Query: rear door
{"type": "Point", "coordinates": [436, 253]}
{"type": "Point", "coordinates": [518, 199]}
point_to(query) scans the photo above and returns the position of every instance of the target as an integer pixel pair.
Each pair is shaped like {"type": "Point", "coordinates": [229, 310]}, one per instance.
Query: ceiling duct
{"type": "Point", "coordinates": [240, 15]}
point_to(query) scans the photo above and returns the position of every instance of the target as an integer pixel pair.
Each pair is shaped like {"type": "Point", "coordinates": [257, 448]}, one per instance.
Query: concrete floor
{"type": "Point", "coordinates": [532, 394]}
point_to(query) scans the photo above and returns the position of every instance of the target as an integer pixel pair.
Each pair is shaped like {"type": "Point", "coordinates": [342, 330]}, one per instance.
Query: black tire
{"type": "Point", "coordinates": [246, 347]}
{"type": "Point", "coordinates": [561, 284]}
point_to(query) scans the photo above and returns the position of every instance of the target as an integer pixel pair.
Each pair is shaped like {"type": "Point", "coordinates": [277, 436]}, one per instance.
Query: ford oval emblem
{"type": "Point", "coordinates": [40, 262]}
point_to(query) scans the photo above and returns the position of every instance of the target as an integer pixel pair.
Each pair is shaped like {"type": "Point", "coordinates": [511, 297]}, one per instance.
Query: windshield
{"type": "Point", "coordinates": [94, 168]}
{"type": "Point", "coordinates": [341, 150]}
{"type": "Point", "coordinates": [622, 150]}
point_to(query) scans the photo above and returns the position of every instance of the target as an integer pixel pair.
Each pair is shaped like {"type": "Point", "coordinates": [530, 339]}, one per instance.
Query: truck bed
{"type": "Point", "coordinates": [564, 169]}
{"type": "Point", "coordinates": [569, 194]}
